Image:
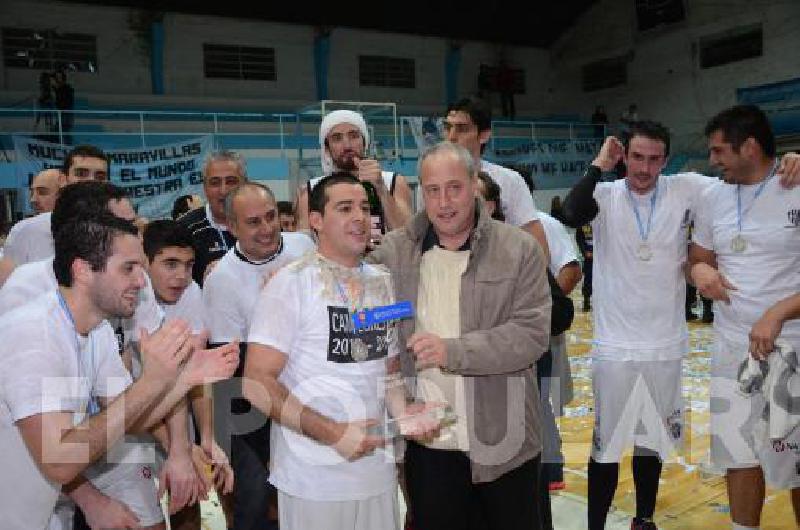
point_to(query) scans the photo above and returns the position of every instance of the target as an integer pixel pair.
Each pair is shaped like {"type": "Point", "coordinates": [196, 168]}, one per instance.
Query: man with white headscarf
{"type": "Point", "coordinates": [343, 141]}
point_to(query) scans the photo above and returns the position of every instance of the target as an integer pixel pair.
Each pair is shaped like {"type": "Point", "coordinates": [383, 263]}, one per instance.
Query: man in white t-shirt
{"type": "Point", "coordinates": [67, 365]}
{"type": "Point", "coordinates": [31, 239]}
{"type": "Point", "coordinates": [169, 249]}
{"type": "Point", "coordinates": [468, 123]}
{"type": "Point", "coordinates": [746, 255]}
{"type": "Point", "coordinates": [564, 265]}
{"type": "Point", "coordinates": [556, 379]}
{"type": "Point", "coordinates": [31, 280]}
{"type": "Point", "coordinates": [639, 226]}
{"type": "Point", "coordinates": [323, 383]}
{"type": "Point", "coordinates": [229, 295]}
{"type": "Point", "coordinates": [344, 141]}
{"type": "Point", "coordinates": [77, 199]}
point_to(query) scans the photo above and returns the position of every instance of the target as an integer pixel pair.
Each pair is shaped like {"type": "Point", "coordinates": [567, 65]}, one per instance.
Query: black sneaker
{"type": "Point", "coordinates": [642, 524]}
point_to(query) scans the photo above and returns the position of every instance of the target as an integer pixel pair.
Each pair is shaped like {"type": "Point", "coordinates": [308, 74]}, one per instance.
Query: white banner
{"type": "Point", "coordinates": [153, 177]}
{"type": "Point", "coordinates": [551, 163]}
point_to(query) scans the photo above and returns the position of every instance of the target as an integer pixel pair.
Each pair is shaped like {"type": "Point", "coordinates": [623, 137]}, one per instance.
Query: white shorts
{"type": "Point", "coordinates": [374, 513]}
{"type": "Point", "coordinates": [636, 403]}
{"type": "Point", "coordinates": [126, 483]}
{"type": "Point", "coordinates": [737, 438]}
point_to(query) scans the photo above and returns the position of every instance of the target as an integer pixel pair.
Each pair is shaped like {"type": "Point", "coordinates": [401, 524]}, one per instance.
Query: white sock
{"type": "Point", "coordinates": [742, 527]}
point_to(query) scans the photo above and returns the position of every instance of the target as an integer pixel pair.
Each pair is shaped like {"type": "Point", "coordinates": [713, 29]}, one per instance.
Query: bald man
{"type": "Point", "coordinates": [44, 190]}
{"type": "Point", "coordinates": [31, 239]}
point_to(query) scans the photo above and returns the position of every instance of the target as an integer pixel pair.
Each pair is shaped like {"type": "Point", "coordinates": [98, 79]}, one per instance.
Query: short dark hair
{"type": "Point", "coordinates": [230, 213]}
{"type": "Point", "coordinates": [492, 193]}
{"type": "Point", "coordinates": [649, 129]}
{"type": "Point", "coordinates": [319, 195]}
{"type": "Point", "coordinates": [285, 208]}
{"type": "Point", "coordinates": [82, 198]}
{"type": "Point", "coordinates": [86, 151]}
{"type": "Point", "coordinates": [181, 206]}
{"type": "Point", "coordinates": [741, 122]}
{"type": "Point", "coordinates": [479, 112]}
{"type": "Point", "coordinates": [164, 233]}
{"type": "Point", "coordinates": [89, 237]}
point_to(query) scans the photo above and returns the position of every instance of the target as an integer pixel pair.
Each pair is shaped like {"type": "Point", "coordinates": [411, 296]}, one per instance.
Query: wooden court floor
{"type": "Point", "coordinates": [691, 495]}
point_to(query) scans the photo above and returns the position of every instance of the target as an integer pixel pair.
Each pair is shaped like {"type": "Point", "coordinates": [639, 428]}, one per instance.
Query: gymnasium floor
{"type": "Point", "coordinates": [691, 495]}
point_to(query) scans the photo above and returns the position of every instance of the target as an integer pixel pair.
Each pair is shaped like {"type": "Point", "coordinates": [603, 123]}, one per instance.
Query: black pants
{"type": "Point", "coordinates": [586, 288]}
{"type": "Point", "coordinates": [243, 432]}
{"type": "Point", "coordinates": [691, 298]}
{"type": "Point", "coordinates": [443, 497]}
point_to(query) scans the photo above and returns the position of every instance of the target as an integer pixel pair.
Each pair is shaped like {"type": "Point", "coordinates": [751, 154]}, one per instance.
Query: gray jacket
{"type": "Point", "coordinates": [505, 328]}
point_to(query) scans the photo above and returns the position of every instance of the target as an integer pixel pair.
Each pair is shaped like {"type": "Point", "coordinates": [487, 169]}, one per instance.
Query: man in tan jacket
{"type": "Point", "coordinates": [482, 304]}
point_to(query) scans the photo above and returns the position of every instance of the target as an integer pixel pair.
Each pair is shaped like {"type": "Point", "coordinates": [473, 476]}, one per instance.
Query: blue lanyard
{"type": "Point", "coordinates": [759, 189]}
{"type": "Point", "coordinates": [644, 234]}
{"type": "Point", "coordinates": [92, 406]}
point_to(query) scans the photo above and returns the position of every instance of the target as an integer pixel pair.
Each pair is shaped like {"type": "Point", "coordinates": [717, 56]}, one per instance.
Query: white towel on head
{"type": "Point", "coordinates": [330, 121]}
{"type": "Point", "coordinates": [778, 380]}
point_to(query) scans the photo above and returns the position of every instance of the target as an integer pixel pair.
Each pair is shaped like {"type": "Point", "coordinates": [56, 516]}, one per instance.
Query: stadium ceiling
{"type": "Point", "coordinates": [535, 23]}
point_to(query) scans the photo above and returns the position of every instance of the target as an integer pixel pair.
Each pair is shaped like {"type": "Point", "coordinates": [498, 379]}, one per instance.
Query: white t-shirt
{"type": "Point", "coordinates": [42, 371]}
{"type": "Point", "coordinates": [769, 268]}
{"type": "Point", "coordinates": [639, 311]}
{"type": "Point", "coordinates": [30, 240]}
{"type": "Point", "coordinates": [302, 314]}
{"type": "Point", "coordinates": [517, 200]}
{"type": "Point", "coordinates": [189, 307]}
{"type": "Point", "coordinates": [561, 244]}
{"type": "Point", "coordinates": [31, 280]}
{"type": "Point", "coordinates": [231, 289]}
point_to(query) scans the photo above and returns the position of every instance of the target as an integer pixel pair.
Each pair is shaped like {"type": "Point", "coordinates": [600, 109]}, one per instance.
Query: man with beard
{"type": "Point", "coordinates": [640, 227]}
{"type": "Point", "coordinates": [127, 483]}
{"type": "Point", "coordinates": [746, 256]}
{"type": "Point", "coordinates": [62, 374]}
{"type": "Point", "coordinates": [343, 141]}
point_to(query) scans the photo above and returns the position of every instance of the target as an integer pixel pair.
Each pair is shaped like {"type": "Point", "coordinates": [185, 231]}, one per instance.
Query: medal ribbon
{"type": "Point", "coordinates": [92, 407]}
{"type": "Point", "coordinates": [759, 189]}
{"type": "Point", "coordinates": [643, 233]}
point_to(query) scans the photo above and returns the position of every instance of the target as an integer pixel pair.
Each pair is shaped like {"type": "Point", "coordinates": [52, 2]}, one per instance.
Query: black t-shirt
{"type": "Point", "coordinates": [210, 244]}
